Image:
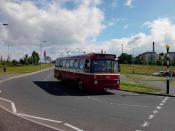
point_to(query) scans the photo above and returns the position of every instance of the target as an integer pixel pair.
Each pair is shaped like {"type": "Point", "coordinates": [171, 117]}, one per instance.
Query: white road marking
{"type": "Point", "coordinates": [73, 127]}
{"type": "Point", "coordinates": [151, 117]}
{"type": "Point", "coordinates": [0, 91]}
{"type": "Point", "coordinates": [92, 98]}
{"type": "Point", "coordinates": [118, 104]}
{"type": "Point", "coordinates": [23, 75]}
{"type": "Point", "coordinates": [13, 107]}
{"type": "Point", "coordinates": [34, 121]}
{"type": "Point", "coordinates": [161, 104]}
{"type": "Point", "coordinates": [166, 98]}
{"type": "Point", "coordinates": [138, 130]}
{"type": "Point", "coordinates": [155, 111]}
{"type": "Point", "coordinates": [5, 100]}
{"type": "Point", "coordinates": [25, 116]}
{"type": "Point", "coordinates": [145, 124]}
{"type": "Point", "coordinates": [40, 118]}
{"type": "Point", "coordinates": [158, 107]}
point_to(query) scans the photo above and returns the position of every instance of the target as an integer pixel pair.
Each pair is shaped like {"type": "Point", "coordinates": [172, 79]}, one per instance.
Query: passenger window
{"type": "Point", "coordinates": [76, 63]}
{"type": "Point", "coordinates": [64, 63]}
{"type": "Point", "coordinates": [81, 64]}
{"type": "Point", "coordinates": [67, 63]}
{"type": "Point", "coordinates": [60, 63]}
{"type": "Point", "coordinates": [71, 63]}
{"type": "Point", "coordinates": [87, 64]}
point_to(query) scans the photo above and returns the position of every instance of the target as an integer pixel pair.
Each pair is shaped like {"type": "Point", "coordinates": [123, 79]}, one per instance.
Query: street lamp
{"type": "Point", "coordinates": [41, 53]}
{"type": "Point", "coordinates": [168, 71]}
{"type": "Point", "coordinates": [6, 24]}
{"type": "Point", "coordinates": [122, 48]}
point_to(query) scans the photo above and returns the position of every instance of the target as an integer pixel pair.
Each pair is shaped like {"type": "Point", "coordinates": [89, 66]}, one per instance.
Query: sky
{"type": "Point", "coordinates": [71, 27]}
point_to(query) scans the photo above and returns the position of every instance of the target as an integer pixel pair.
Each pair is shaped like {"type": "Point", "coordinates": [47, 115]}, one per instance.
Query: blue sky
{"type": "Point", "coordinates": [134, 17]}
{"type": "Point", "coordinates": [86, 25]}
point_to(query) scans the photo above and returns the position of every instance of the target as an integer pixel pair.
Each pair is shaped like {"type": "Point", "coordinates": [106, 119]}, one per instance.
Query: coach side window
{"type": "Point", "coordinates": [76, 63]}
{"type": "Point", "coordinates": [60, 63]}
{"type": "Point", "coordinates": [57, 63]}
{"type": "Point", "coordinates": [71, 64]}
{"type": "Point", "coordinates": [87, 65]}
{"type": "Point", "coordinates": [67, 63]}
{"type": "Point", "coordinates": [81, 64]}
{"type": "Point", "coordinates": [64, 63]}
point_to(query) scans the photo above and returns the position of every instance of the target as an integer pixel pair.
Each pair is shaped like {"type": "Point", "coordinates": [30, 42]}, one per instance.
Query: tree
{"type": "Point", "coordinates": [26, 59]}
{"type": "Point", "coordinates": [15, 62]}
{"type": "Point", "coordinates": [160, 60]}
{"type": "Point", "coordinates": [30, 60]}
{"type": "Point", "coordinates": [35, 57]}
{"type": "Point", "coordinates": [125, 58]}
{"type": "Point", "coordinates": [139, 60]}
{"type": "Point", "coordinates": [21, 61]}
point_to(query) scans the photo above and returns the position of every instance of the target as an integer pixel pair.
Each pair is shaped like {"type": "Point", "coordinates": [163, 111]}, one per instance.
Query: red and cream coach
{"type": "Point", "coordinates": [92, 71]}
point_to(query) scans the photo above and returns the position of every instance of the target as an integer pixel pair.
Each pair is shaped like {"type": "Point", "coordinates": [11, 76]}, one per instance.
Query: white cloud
{"type": "Point", "coordinates": [129, 3]}
{"type": "Point", "coordinates": [162, 31]}
{"type": "Point", "coordinates": [60, 27]}
{"type": "Point", "coordinates": [69, 29]}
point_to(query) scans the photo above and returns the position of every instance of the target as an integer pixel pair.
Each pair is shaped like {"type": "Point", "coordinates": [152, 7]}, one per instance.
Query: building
{"type": "Point", "coordinates": [172, 58]}
{"type": "Point", "coordinates": [149, 57]}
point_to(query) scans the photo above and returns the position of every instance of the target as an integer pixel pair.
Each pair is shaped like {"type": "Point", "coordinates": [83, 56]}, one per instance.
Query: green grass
{"type": "Point", "coordinates": [143, 69]}
{"type": "Point", "coordinates": [25, 68]}
{"type": "Point", "coordinates": [136, 77]}
{"type": "Point", "coordinates": [137, 87]}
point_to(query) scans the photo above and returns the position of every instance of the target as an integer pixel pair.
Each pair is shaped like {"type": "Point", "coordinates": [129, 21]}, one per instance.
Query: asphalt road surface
{"type": "Point", "coordinates": [41, 99]}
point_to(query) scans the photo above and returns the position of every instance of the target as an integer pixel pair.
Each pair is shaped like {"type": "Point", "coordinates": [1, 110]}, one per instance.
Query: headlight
{"type": "Point", "coordinates": [118, 81]}
{"type": "Point", "coordinates": [95, 82]}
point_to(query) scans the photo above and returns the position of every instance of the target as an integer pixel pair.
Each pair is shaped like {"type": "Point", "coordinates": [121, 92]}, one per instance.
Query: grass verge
{"type": "Point", "coordinates": [137, 87]}
{"type": "Point", "coordinates": [25, 68]}
{"type": "Point", "coordinates": [143, 69]}
{"type": "Point", "coordinates": [135, 77]}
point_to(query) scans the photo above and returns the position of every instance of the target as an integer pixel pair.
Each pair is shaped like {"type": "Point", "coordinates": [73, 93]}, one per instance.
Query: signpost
{"type": "Point", "coordinates": [168, 71]}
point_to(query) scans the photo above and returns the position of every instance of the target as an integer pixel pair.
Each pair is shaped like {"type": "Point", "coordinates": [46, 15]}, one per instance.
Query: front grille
{"type": "Point", "coordinates": [106, 82]}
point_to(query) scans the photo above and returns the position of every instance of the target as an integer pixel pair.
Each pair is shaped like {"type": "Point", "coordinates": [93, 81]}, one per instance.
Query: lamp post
{"type": "Point", "coordinates": [133, 59]}
{"type": "Point", "coordinates": [168, 71]}
{"type": "Point", "coordinates": [6, 24]}
{"type": "Point", "coordinates": [122, 48]}
{"type": "Point", "coordinates": [41, 53]}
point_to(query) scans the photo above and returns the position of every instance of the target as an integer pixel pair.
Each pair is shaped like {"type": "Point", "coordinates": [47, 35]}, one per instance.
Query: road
{"type": "Point", "coordinates": [40, 98]}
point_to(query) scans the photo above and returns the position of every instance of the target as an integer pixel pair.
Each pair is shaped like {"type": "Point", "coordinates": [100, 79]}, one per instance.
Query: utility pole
{"type": "Point", "coordinates": [168, 71]}
{"type": "Point", "coordinates": [41, 53]}
{"type": "Point", "coordinates": [5, 24]}
{"type": "Point", "coordinates": [133, 55]}
{"type": "Point", "coordinates": [122, 48]}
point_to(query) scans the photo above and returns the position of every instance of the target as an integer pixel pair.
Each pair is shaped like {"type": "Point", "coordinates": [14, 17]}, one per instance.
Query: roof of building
{"type": "Point", "coordinates": [148, 52]}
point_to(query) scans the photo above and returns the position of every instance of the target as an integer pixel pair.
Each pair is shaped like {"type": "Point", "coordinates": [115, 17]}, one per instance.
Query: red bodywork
{"type": "Point", "coordinates": [91, 81]}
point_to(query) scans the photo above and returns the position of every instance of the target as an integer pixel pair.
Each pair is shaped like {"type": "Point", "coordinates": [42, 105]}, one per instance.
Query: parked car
{"type": "Point", "coordinates": [164, 74]}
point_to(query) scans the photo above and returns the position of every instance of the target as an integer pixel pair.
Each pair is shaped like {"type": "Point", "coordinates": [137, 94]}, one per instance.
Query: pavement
{"type": "Point", "coordinates": [7, 76]}
{"type": "Point", "coordinates": [10, 122]}
{"type": "Point", "coordinates": [41, 99]}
